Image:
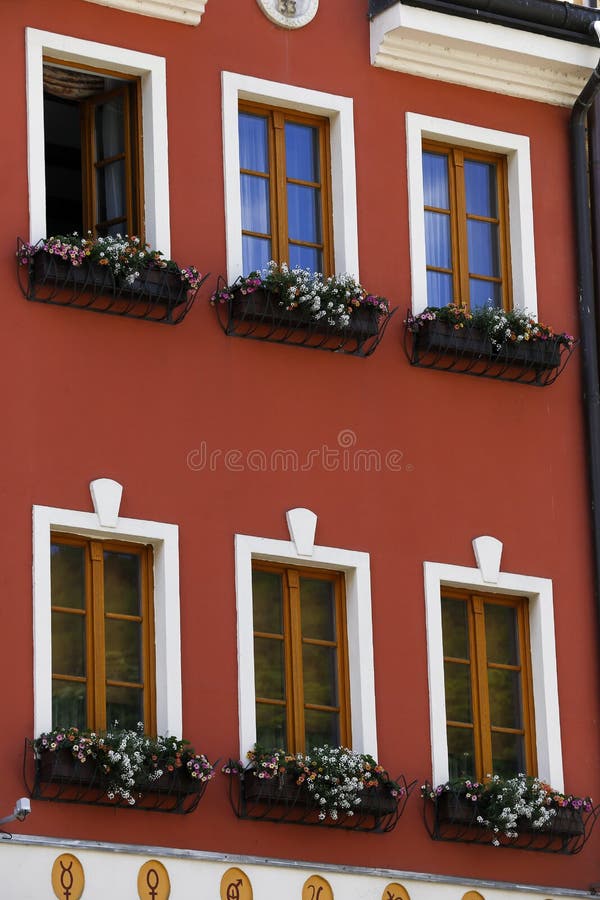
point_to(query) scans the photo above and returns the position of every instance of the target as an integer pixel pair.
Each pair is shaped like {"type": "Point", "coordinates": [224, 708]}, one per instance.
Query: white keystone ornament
{"type": "Point", "coordinates": [289, 13]}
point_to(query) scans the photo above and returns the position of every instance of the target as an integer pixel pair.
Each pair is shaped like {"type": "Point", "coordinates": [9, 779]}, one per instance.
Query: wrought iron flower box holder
{"type": "Point", "coordinates": [451, 817]}
{"type": "Point", "coordinates": [258, 316]}
{"type": "Point", "coordinates": [60, 778]}
{"type": "Point", "coordinates": [158, 295]}
{"type": "Point", "coordinates": [468, 351]}
{"type": "Point", "coordinates": [282, 800]}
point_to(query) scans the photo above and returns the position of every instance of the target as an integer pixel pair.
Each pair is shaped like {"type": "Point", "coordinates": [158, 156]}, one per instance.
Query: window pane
{"type": "Point", "coordinates": [68, 644]}
{"type": "Point", "coordinates": [457, 681]}
{"type": "Point", "coordinates": [505, 698]}
{"type": "Point", "coordinates": [461, 754]}
{"type": "Point", "coordinates": [320, 675]}
{"type": "Point", "coordinates": [317, 603]}
{"type": "Point", "coordinates": [305, 258]}
{"type": "Point", "coordinates": [321, 728]}
{"type": "Point", "coordinates": [62, 133]}
{"type": "Point", "coordinates": [485, 293]}
{"type": "Point", "coordinates": [455, 628]}
{"type": "Point", "coordinates": [67, 572]}
{"type": "Point", "coordinates": [269, 671]}
{"type": "Point", "coordinates": [125, 706]}
{"type": "Point", "coordinates": [484, 256]}
{"type": "Point", "coordinates": [254, 153]}
{"type": "Point", "coordinates": [501, 634]}
{"type": "Point", "coordinates": [123, 650]}
{"type": "Point", "coordinates": [304, 213]}
{"type": "Point", "coordinates": [110, 133]}
{"type": "Point", "coordinates": [480, 188]}
{"type": "Point", "coordinates": [438, 246]}
{"type": "Point", "coordinates": [508, 754]}
{"type": "Point", "coordinates": [255, 204]}
{"type": "Point", "coordinates": [256, 253]}
{"type": "Point", "coordinates": [270, 726]}
{"type": "Point", "coordinates": [68, 704]}
{"type": "Point", "coordinates": [110, 185]}
{"type": "Point", "coordinates": [440, 289]}
{"type": "Point", "coordinates": [435, 180]}
{"type": "Point", "coordinates": [302, 152]}
{"type": "Point", "coordinates": [267, 602]}
{"type": "Point", "coordinates": [122, 583]}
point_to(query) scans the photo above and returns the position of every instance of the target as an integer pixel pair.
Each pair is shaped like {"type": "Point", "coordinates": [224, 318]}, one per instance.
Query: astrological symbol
{"type": "Point", "coordinates": [316, 892]}
{"type": "Point", "coordinates": [66, 873]}
{"type": "Point", "coordinates": [152, 887]}
{"type": "Point", "coordinates": [391, 896]}
{"type": "Point", "coordinates": [233, 889]}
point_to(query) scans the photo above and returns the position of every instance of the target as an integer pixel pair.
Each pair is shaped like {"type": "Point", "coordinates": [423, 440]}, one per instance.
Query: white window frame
{"type": "Point", "coordinates": [543, 661]}
{"type": "Point", "coordinates": [520, 204]}
{"type": "Point", "coordinates": [164, 539]}
{"type": "Point", "coordinates": [151, 70]}
{"type": "Point", "coordinates": [356, 567]}
{"type": "Point", "coordinates": [339, 111]}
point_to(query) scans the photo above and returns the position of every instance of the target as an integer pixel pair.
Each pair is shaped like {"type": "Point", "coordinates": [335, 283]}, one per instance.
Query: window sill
{"type": "Point", "coordinates": [60, 778]}
{"type": "Point", "coordinates": [451, 817]}
{"type": "Point", "coordinates": [157, 295]}
{"type": "Point", "coordinates": [283, 800]}
{"type": "Point", "coordinates": [467, 351]}
{"type": "Point", "coordinates": [257, 316]}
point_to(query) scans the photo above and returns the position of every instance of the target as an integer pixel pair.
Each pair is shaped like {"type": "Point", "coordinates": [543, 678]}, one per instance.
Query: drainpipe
{"type": "Point", "coordinates": [587, 296]}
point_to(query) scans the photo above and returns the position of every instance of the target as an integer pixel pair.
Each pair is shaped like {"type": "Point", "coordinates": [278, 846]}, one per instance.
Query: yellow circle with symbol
{"type": "Point", "coordinates": [153, 881]}
{"type": "Point", "coordinates": [235, 885]}
{"type": "Point", "coordinates": [67, 877]}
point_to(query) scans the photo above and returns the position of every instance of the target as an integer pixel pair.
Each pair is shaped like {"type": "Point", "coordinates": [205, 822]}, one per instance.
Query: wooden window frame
{"type": "Point", "coordinates": [293, 641]}
{"type": "Point", "coordinates": [95, 677]}
{"type": "Point", "coordinates": [131, 90]}
{"type": "Point", "coordinates": [459, 218]}
{"type": "Point", "coordinates": [478, 664]}
{"type": "Point", "coordinates": [276, 118]}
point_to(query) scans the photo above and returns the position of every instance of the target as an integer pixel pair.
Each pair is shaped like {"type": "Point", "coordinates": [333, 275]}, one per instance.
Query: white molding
{"type": "Point", "coordinates": [543, 662]}
{"type": "Point", "coordinates": [339, 110]}
{"type": "Point", "coordinates": [164, 539]}
{"type": "Point", "coordinates": [522, 245]}
{"type": "Point", "coordinates": [187, 12]}
{"type": "Point", "coordinates": [480, 55]}
{"type": "Point", "coordinates": [356, 567]}
{"type": "Point", "coordinates": [152, 72]}
{"type": "Point", "coordinates": [308, 10]}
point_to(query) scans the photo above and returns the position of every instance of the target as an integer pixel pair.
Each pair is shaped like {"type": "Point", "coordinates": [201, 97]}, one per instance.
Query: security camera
{"type": "Point", "coordinates": [22, 808]}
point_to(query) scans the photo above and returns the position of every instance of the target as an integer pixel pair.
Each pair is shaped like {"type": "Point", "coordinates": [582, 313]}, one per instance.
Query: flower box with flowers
{"type": "Point", "coordinates": [286, 298]}
{"type": "Point", "coordinates": [119, 767]}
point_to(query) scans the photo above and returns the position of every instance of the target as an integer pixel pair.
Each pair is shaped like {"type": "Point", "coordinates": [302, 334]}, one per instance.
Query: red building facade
{"type": "Point", "coordinates": [451, 513]}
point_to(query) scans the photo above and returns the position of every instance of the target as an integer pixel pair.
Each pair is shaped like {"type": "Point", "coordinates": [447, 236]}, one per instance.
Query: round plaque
{"type": "Point", "coordinates": [289, 13]}
{"type": "Point", "coordinates": [67, 877]}
{"type": "Point", "coordinates": [395, 891]}
{"type": "Point", "coordinates": [235, 885]}
{"type": "Point", "coordinates": [153, 881]}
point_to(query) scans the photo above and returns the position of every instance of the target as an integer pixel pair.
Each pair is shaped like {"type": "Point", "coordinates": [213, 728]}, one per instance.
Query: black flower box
{"type": "Point", "coordinates": [444, 338]}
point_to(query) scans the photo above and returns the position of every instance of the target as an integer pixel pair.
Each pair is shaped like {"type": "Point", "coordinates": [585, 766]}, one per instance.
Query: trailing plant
{"type": "Point", "coordinates": [129, 760]}
{"type": "Point", "coordinates": [503, 805]}
{"type": "Point", "coordinates": [500, 327]}
{"type": "Point", "coordinates": [127, 257]}
{"type": "Point", "coordinates": [335, 777]}
{"type": "Point", "coordinates": [332, 299]}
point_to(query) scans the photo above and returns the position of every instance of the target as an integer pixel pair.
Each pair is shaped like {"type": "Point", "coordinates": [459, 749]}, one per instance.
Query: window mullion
{"type": "Point", "coordinates": [148, 644]}
{"type": "Point", "coordinates": [481, 703]}
{"type": "Point", "coordinates": [527, 689]}
{"type": "Point", "coordinates": [297, 738]}
{"type": "Point", "coordinates": [279, 227]}
{"type": "Point", "coordinates": [460, 250]}
{"type": "Point", "coordinates": [342, 657]}
{"type": "Point", "coordinates": [98, 653]}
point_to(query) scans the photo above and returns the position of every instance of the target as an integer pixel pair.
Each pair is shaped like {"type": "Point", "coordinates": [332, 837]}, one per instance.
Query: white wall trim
{"type": "Point", "coordinates": [480, 55]}
{"type": "Point", "coordinates": [522, 246]}
{"type": "Point", "coordinates": [543, 661]}
{"type": "Point", "coordinates": [356, 567]}
{"type": "Point", "coordinates": [339, 110]}
{"type": "Point", "coordinates": [152, 72]}
{"type": "Point", "coordinates": [187, 12]}
{"type": "Point", "coordinates": [164, 539]}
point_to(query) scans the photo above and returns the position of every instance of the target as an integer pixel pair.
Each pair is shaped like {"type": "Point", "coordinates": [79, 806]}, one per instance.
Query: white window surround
{"type": "Point", "coordinates": [339, 111]}
{"type": "Point", "coordinates": [543, 653]}
{"type": "Point", "coordinates": [187, 12]}
{"type": "Point", "coordinates": [152, 72]}
{"type": "Point", "coordinates": [480, 55]}
{"type": "Point", "coordinates": [516, 149]}
{"type": "Point", "coordinates": [164, 539]}
{"type": "Point", "coordinates": [356, 567]}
